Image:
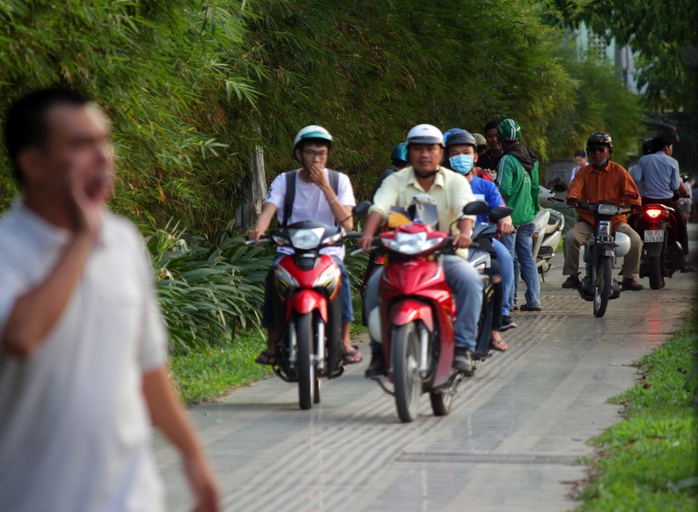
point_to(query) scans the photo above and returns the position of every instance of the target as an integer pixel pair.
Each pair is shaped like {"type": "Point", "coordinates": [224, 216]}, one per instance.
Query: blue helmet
{"type": "Point", "coordinates": [399, 153]}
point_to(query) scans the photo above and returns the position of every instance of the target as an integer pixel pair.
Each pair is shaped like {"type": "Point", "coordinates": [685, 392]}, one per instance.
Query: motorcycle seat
{"type": "Point", "coordinates": [553, 224]}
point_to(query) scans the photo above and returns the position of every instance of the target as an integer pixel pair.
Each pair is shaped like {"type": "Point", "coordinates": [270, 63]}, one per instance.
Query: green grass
{"type": "Point", "coordinates": [204, 376]}
{"type": "Point", "coordinates": [650, 461]}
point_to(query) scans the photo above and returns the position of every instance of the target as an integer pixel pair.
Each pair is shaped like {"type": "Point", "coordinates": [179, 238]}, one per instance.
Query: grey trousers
{"type": "Point", "coordinates": [466, 286]}
{"type": "Point", "coordinates": [577, 236]}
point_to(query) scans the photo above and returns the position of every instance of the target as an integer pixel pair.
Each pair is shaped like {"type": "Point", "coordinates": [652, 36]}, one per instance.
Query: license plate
{"type": "Point", "coordinates": [654, 235]}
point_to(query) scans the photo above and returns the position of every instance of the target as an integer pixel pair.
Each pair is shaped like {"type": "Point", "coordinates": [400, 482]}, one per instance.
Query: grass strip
{"type": "Point", "coordinates": [203, 376]}
{"type": "Point", "coordinates": [649, 462]}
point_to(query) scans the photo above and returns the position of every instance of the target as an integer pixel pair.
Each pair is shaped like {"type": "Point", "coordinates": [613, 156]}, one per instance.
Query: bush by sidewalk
{"type": "Point", "coordinates": [650, 461]}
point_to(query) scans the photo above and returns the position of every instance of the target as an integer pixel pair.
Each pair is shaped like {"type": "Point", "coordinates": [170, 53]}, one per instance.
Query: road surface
{"type": "Point", "coordinates": [511, 442]}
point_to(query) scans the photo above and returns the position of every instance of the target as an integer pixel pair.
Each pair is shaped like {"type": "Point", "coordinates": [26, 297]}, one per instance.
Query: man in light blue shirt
{"type": "Point", "coordinates": [657, 177]}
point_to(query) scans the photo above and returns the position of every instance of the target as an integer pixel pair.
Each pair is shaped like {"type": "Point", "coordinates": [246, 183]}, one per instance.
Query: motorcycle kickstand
{"type": "Point", "coordinates": [383, 387]}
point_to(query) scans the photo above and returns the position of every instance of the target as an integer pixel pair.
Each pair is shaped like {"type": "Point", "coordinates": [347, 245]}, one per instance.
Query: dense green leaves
{"type": "Point", "coordinates": [208, 293]}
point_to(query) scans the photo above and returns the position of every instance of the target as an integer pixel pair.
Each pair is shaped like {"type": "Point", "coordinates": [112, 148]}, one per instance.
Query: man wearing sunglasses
{"type": "Point", "coordinates": [601, 180]}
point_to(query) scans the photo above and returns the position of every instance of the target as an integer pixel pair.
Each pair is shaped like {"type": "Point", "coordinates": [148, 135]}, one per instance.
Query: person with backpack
{"type": "Point", "coordinates": [311, 193]}
{"type": "Point", "coordinates": [517, 179]}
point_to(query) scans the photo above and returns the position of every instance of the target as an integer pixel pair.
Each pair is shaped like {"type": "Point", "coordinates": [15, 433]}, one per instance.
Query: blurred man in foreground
{"type": "Point", "coordinates": [83, 350]}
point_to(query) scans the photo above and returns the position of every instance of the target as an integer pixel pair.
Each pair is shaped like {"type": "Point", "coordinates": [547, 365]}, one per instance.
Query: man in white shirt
{"type": "Point", "coordinates": [315, 199]}
{"type": "Point", "coordinates": [580, 158]}
{"type": "Point", "coordinates": [83, 350]}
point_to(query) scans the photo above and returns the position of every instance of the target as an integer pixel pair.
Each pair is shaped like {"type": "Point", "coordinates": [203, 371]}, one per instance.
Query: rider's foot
{"type": "Point", "coordinates": [376, 367]}
{"type": "Point", "coordinates": [497, 343]}
{"type": "Point", "coordinates": [686, 267]}
{"type": "Point", "coordinates": [266, 357]}
{"type": "Point", "coordinates": [631, 285]}
{"type": "Point", "coordinates": [352, 356]}
{"type": "Point", "coordinates": [507, 323]}
{"type": "Point", "coordinates": [531, 307]}
{"type": "Point", "coordinates": [572, 282]}
{"type": "Point", "coordinates": [463, 361]}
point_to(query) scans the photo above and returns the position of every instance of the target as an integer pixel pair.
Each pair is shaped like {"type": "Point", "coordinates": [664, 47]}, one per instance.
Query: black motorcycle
{"type": "Point", "coordinates": [600, 254]}
{"type": "Point", "coordinates": [662, 252]}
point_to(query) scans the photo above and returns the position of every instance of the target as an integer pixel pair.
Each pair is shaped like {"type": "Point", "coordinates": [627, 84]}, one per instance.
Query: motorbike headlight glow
{"type": "Point", "coordinates": [606, 209]}
{"type": "Point", "coordinates": [284, 281]}
{"type": "Point", "coordinates": [328, 279]}
{"type": "Point", "coordinates": [411, 243]}
{"type": "Point", "coordinates": [306, 239]}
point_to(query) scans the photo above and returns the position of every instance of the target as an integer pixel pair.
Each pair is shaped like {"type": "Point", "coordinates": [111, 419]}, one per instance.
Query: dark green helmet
{"type": "Point", "coordinates": [509, 130]}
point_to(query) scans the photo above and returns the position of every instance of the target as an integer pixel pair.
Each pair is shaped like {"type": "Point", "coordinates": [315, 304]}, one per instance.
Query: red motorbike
{"type": "Point", "coordinates": [414, 320]}
{"type": "Point", "coordinates": [308, 306]}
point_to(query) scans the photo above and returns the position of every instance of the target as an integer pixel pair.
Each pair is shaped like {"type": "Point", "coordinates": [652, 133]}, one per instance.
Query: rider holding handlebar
{"type": "Point", "coordinates": [451, 193]}
{"type": "Point", "coordinates": [601, 180]}
{"type": "Point", "coordinates": [315, 199]}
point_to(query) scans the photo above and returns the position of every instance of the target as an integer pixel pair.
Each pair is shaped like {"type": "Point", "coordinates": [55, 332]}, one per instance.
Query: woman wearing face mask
{"type": "Point", "coordinates": [461, 157]}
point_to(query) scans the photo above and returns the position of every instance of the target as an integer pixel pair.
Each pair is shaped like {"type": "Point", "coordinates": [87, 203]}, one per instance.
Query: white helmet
{"type": "Point", "coordinates": [623, 242]}
{"type": "Point", "coordinates": [425, 134]}
{"type": "Point", "coordinates": [312, 132]}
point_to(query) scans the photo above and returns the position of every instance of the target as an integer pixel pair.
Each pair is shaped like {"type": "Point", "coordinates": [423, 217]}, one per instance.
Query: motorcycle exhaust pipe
{"type": "Point", "coordinates": [424, 350]}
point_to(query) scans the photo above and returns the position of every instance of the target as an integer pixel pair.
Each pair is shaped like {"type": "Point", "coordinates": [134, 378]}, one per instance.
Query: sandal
{"type": "Point", "coordinates": [348, 357]}
{"type": "Point", "coordinates": [266, 358]}
{"type": "Point", "coordinates": [498, 344]}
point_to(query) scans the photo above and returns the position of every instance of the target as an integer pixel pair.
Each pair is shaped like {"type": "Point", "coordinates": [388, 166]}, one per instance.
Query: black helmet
{"type": "Point", "coordinates": [647, 146]}
{"type": "Point", "coordinates": [460, 137]}
{"type": "Point", "coordinates": [600, 139]}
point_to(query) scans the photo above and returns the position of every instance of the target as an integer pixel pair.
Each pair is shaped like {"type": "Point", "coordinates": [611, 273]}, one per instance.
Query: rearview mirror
{"type": "Point", "coordinates": [361, 209]}
{"type": "Point", "coordinates": [499, 212]}
{"type": "Point", "coordinates": [476, 208]}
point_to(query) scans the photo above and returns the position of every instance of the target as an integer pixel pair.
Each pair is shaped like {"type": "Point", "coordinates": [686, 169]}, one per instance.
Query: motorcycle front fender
{"type": "Point", "coordinates": [410, 310]}
{"type": "Point", "coordinates": [306, 301]}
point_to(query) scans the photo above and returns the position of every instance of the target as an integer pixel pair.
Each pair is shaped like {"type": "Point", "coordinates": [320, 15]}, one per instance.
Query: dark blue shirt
{"type": "Point", "coordinates": [486, 191]}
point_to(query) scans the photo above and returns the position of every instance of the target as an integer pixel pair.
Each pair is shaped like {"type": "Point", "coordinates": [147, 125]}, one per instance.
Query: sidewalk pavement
{"type": "Point", "coordinates": [510, 443]}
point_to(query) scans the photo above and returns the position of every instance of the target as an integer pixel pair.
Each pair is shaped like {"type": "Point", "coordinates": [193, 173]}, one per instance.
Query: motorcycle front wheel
{"type": "Point", "coordinates": [408, 385]}
{"type": "Point", "coordinates": [602, 287]}
{"type": "Point", "coordinates": [307, 380]}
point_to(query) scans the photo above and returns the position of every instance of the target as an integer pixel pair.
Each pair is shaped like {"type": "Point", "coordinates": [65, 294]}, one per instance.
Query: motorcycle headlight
{"type": "Point", "coordinates": [306, 239]}
{"type": "Point", "coordinates": [411, 243]}
{"type": "Point", "coordinates": [328, 279]}
{"type": "Point", "coordinates": [285, 282]}
{"type": "Point", "coordinates": [606, 209]}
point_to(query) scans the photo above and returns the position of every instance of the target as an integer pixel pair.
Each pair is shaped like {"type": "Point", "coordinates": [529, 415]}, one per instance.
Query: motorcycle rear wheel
{"type": "Point", "coordinates": [307, 380]}
{"type": "Point", "coordinates": [654, 272]}
{"type": "Point", "coordinates": [405, 364]}
{"type": "Point", "coordinates": [602, 287]}
{"type": "Point", "coordinates": [441, 403]}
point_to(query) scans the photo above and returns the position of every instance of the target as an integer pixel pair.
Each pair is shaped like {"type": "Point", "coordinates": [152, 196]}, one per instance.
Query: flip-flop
{"type": "Point", "coordinates": [350, 355]}
{"type": "Point", "coordinates": [498, 345]}
{"type": "Point", "coordinates": [266, 358]}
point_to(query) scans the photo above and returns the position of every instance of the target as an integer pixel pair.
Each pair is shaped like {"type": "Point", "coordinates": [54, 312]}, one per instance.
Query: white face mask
{"type": "Point", "coordinates": [462, 164]}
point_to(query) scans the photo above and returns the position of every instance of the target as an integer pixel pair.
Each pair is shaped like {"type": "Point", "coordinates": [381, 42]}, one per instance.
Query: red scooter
{"type": "Point", "coordinates": [414, 320]}
{"type": "Point", "coordinates": [308, 306]}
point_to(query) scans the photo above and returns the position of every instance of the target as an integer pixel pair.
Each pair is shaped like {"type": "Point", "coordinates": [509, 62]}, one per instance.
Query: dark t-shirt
{"type": "Point", "coordinates": [380, 179]}
{"type": "Point", "coordinates": [488, 161]}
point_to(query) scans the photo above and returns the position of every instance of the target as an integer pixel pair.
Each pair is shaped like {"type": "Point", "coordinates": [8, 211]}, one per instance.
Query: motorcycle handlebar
{"type": "Point", "coordinates": [260, 241]}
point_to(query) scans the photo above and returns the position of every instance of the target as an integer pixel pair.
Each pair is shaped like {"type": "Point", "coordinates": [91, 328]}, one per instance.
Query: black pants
{"type": "Point", "coordinates": [682, 234]}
